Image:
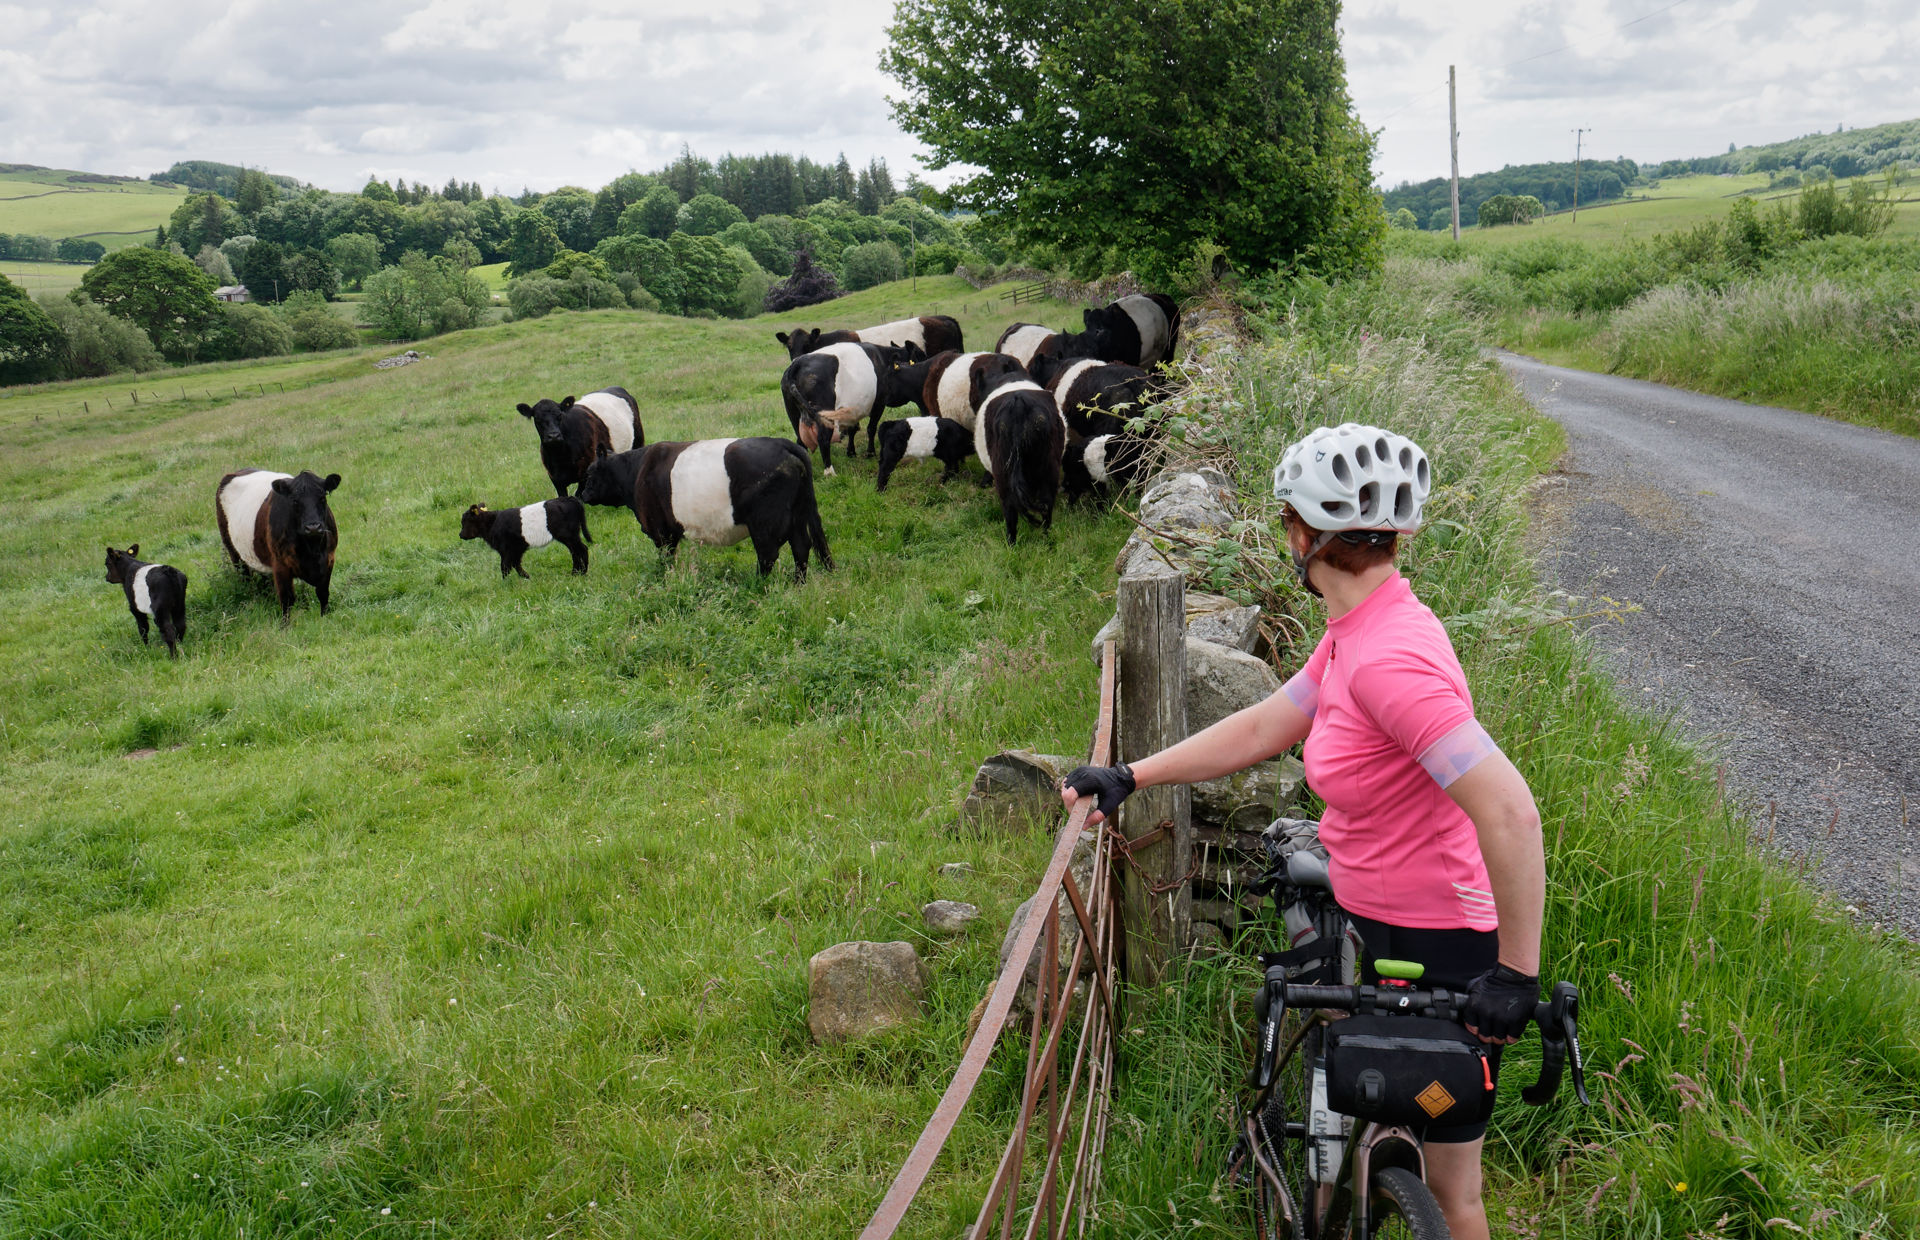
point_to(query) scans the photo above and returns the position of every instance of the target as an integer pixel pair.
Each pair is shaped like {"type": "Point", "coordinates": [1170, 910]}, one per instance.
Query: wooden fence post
{"type": "Point", "coordinates": [1153, 715]}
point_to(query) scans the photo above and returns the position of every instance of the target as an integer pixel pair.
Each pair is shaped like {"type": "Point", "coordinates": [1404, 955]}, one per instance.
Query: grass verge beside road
{"type": "Point", "coordinates": [1751, 1047]}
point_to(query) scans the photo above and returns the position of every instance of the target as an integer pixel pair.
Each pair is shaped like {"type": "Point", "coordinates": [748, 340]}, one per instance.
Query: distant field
{"type": "Point", "coordinates": [495, 274]}
{"type": "Point", "coordinates": [51, 203]}
{"type": "Point", "coordinates": [43, 277]}
{"type": "Point", "coordinates": [1679, 202]}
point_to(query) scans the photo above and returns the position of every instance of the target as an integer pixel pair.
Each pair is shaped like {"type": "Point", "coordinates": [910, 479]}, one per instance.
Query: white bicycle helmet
{"type": "Point", "coordinates": [1354, 477]}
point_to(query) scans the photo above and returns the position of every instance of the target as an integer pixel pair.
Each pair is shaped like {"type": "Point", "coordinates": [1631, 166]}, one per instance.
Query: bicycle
{"type": "Point", "coordinates": [1301, 1157]}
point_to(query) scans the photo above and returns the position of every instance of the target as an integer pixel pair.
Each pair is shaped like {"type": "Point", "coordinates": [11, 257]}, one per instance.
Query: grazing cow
{"type": "Point", "coordinates": [609, 480]}
{"type": "Point", "coordinates": [1100, 465]}
{"type": "Point", "coordinates": [280, 525]}
{"type": "Point", "coordinates": [949, 388]}
{"type": "Point", "coordinates": [1096, 397]}
{"type": "Point", "coordinates": [156, 592]}
{"type": "Point", "coordinates": [931, 333]}
{"type": "Point", "coordinates": [829, 392]}
{"type": "Point", "coordinates": [1141, 329]}
{"type": "Point", "coordinates": [1020, 437]}
{"type": "Point", "coordinates": [512, 531]}
{"type": "Point", "coordinates": [576, 432]}
{"type": "Point", "coordinates": [942, 439]}
{"type": "Point", "coordinates": [720, 491]}
{"type": "Point", "coordinates": [905, 382]}
{"type": "Point", "coordinates": [1026, 342]}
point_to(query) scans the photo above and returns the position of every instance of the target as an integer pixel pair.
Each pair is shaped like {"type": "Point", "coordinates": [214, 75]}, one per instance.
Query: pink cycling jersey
{"type": "Point", "coordinates": [1393, 725]}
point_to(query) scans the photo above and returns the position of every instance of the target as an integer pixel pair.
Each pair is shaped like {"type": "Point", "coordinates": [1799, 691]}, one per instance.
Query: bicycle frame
{"type": "Point", "coordinates": [1357, 1166]}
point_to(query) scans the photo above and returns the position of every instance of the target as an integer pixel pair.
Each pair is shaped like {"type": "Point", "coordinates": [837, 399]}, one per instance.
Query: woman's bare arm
{"type": "Point", "coordinates": [1495, 795]}
{"type": "Point", "coordinates": [1235, 743]}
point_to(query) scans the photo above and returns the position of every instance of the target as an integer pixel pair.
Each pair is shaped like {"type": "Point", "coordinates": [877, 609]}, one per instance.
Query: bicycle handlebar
{"type": "Point", "coordinates": [1558, 1020]}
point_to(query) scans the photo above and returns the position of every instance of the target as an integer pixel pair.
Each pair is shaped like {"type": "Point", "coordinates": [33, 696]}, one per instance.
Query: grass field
{"type": "Point", "coordinates": [495, 275]}
{"type": "Point", "coordinates": [485, 906]}
{"type": "Point", "coordinates": [51, 203]}
{"type": "Point", "coordinates": [1677, 203]}
{"type": "Point", "coordinates": [43, 277]}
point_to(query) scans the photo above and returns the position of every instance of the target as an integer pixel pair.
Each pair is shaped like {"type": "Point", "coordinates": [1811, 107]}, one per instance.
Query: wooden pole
{"type": "Point", "coordinates": [1577, 134]}
{"type": "Point", "coordinates": [1153, 715]}
{"type": "Point", "coordinates": [1453, 141]}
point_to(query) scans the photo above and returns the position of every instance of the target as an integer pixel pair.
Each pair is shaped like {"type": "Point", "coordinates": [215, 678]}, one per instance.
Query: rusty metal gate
{"type": "Point", "coordinates": [1058, 1198]}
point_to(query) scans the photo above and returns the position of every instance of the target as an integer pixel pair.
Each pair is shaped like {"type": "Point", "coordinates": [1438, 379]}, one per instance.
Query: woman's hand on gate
{"type": "Point", "coordinates": [1110, 785]}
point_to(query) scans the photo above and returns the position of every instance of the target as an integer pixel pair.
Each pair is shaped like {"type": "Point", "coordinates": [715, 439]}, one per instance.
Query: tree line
{"type": "Point", "coordinates": [1551, 185]}
{"type": "Point", "coordinates": [28, 248]}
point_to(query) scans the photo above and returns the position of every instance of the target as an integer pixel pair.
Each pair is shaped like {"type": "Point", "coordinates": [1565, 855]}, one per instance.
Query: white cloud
{"type": "Point", "coordinates": [575, 91]}
{"type": "Point", "coordinates": [1651, 85]}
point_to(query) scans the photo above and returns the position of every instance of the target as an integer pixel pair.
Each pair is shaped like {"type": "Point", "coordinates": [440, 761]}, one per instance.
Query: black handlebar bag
{"type": "Point", "coordinates": [1412, 1070]}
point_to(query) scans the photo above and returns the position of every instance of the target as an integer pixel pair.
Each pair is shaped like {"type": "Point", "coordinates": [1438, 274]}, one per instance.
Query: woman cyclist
{"type": "Point", "coordinates": [1432, 836]}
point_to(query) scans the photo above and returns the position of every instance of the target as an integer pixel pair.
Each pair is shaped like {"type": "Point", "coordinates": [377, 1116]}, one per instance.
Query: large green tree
{"type": "Point", "coordinates": [159, 292]}
{"type": "Point", "coordinates": [1147, 129]}
{"type": "Point", "coordinates": [31, 343]}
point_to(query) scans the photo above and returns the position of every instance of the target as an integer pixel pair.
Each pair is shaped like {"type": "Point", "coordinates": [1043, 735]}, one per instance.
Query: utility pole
{"type": "Point", "coordinates": [1453, 140]}
{"type": "Point", "coordinates": [1576, 172]}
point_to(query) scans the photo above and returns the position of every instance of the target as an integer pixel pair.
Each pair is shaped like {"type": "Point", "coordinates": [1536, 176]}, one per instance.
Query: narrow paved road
{"type": "Point", "coordinates": [1777, 559]}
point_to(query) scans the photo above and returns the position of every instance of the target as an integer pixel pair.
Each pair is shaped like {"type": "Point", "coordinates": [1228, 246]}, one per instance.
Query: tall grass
{"type": "Point", "coordinates": [1839, 348]}
{"type": "Point", "coordinates": [1754, 1056]}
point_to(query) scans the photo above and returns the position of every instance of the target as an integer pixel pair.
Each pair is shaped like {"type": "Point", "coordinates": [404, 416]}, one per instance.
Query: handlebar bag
{"type": "Point", "coordinates": [1412, 1070]}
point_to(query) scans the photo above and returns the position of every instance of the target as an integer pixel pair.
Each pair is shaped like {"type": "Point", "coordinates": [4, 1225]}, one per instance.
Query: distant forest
{"type": "Point", "coordinates": [1842, 153]}
{"type": "Point", "coordinates": [1552, 184]}
{"type": "Point", "coordinates": [1815, 157]}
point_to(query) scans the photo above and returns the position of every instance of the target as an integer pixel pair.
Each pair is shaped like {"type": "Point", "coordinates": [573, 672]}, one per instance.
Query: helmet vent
{"type": "Point", "coordinates": [1406, 460]}
{"type": "Point", "coordinates": [1362, 459]}
{"type": "Point", "coordinates": [1369, 501]}
{"type": "Point", "coordinates": [1381, 450]}
{"type": "Point", "coordinates": [1341, 470]}
{"type": "Point", "coordinates": [1294, 471]}
{"type": "Point", "coordinates": [1402, 503]}
{"type": "Point", "coordinates": [1421, 475]}
{"type": "Point", "coordinates": [1339, 510]}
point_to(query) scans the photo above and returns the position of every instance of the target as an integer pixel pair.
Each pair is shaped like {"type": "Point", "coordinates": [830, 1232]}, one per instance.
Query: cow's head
{"type": "Point", "coordinates": [475, 522]}
{"type": "Point", "coordinates": [117, 565]}
{"type": "Point", "coordinates": [800, 342]}
{"type": "Point", "coordinates": [308, 495]}
{"type": "Point", "coordinates": [987, 373]}
{"type": "Point", "coordinates": [898, 355]}
{"type": "Point", "coordinates": [549, 419]}
{"type": "Point", "coordinates": [609, 480]}
{"type": "Point", "coordinates": [1097, 338]}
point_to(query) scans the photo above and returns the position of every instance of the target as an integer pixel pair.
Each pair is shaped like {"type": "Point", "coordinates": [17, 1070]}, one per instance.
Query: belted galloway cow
{"type": "Point", "coordinates": [280, 525]}
{"type": "Point", "coordinates": [156, 593]}
{"type": "Point", "coordinates": [577, 431]}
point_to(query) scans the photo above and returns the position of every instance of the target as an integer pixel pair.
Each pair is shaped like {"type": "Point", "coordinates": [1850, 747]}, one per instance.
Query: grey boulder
{"type": "Point", "coordinates": [1014, 789]}
{"type": "Point", "coordinates": [1222, 680]}
{"type": "Point", "coordinates": [949, 916]}
{"type": "Point", "coordinates": [860, 988]}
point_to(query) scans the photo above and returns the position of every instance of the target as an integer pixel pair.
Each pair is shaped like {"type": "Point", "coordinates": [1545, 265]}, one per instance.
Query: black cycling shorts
{"type": "Point", "coordinates": [1453, 958]}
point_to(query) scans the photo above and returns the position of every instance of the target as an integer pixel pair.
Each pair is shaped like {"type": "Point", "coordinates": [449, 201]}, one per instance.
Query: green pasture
{"type": "Point", "coordinates": [495, 276]}
{"type": "Point", "coordinates": [50, 203]}
{"type": "Point", "coordinates": [1676, 203]}
{"type": "Point", "coordinates": [43, 277]}
{"type": "Point", "coordinates": [481, 906]}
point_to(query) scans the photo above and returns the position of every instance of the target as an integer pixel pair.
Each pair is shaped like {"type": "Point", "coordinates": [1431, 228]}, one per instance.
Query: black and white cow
{"type": "Point", "coordinates": [609, 480]}
{"type": "Point", "coordinates": [1027, 341]}
{"type": "Point", "coordinates": [155, 592]}
{"type": "Point", "coordinates": [720, 491]}
{"type": "Point", "coordinates": [282, 526]}
{"type": "Point", "coordinates": [513, 531]}
{"type": "Point", "coordinates": [1101, 465]}
{"type": "Point", "coordinates": [828, 394]}
{"type": "Point", "coordinates": [1096, 397]}
{"type": "Point", "coordinates": [930, 333]}
{"type": "Point", "coordinates": [577, 431]}
{"type": "Point", "coordinates": [1020, 437]}
{"type": "Point", "coordinates": [950, 384]}
{"type": "Point", "coordinates": [1141, 329]}
{"type": "Point", "coordinates": [940, 439]}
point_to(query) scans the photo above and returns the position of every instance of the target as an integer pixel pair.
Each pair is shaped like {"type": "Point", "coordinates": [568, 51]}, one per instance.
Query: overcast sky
{"type": "Point", "coordinates": [515, 93]}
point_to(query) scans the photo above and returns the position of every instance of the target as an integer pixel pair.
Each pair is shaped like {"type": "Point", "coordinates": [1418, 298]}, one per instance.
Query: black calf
{"type": "Point", "coordinates": [154, 591]}
{"type": "Point", "coordinates": [942, 439]}
{"type": "Point", "coordinates": [512, 531]}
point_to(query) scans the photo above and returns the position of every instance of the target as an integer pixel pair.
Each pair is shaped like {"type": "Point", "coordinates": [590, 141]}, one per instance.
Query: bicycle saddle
{"type": "Point", "coordinates": [1306, 870]}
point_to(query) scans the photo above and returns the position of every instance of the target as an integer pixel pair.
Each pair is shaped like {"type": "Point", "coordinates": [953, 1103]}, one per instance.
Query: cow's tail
{"type": "Point", "coordinates": [586, 535]}
{"type": "Point", "coordinates": [1170, 308]}
{"type": "Point", "coordinates": [1026, 466]}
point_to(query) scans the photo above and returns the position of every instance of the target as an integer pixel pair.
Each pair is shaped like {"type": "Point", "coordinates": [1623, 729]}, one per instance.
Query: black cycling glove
{"type": "Point", "coordinates": [1111, 784]}
{"type": "Point", "coordinates": [1500, 1002]}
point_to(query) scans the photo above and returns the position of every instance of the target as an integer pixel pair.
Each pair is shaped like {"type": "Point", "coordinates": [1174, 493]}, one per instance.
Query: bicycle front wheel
{"type": "Point", "coordinates": [1403, 1209]}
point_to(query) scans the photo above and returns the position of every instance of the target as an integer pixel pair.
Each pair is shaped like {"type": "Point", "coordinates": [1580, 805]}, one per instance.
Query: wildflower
{"type": "Point", "coordinates": [1680, 1187]}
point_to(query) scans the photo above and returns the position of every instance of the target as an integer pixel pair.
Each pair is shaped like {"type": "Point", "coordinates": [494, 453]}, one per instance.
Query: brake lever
{"type": "Point", "coordinates": [1267, 1053]}
{"type": "Point", "coordinates": [1559, 1022]}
